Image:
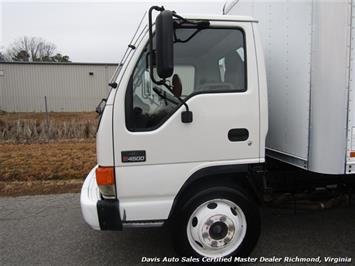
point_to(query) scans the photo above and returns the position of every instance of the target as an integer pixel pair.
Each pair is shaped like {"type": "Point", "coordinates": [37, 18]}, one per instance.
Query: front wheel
{"type": "Point", "coordinates": [217, 222]}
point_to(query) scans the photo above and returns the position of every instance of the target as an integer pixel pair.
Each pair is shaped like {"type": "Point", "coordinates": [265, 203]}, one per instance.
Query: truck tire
{"type": "Point", "coordinates": [217, 222]}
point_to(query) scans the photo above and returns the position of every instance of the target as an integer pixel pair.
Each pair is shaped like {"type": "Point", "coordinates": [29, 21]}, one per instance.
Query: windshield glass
{"type": "Point", "coordinates": [136, 36]}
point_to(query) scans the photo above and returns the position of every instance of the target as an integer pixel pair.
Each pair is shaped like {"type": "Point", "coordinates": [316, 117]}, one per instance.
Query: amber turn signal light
{"type": "Point", "coordinates": [105, 176]}
{"type": "Point", "coordinates": [105, 179]}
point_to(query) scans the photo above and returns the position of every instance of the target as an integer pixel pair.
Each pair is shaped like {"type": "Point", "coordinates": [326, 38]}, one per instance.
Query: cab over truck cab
{"type": "Point", "coordinates": [181, 135]}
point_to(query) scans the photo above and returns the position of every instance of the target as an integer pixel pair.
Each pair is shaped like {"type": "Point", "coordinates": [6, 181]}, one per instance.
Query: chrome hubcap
{"type": "Point", "coordinates": [216, 228]}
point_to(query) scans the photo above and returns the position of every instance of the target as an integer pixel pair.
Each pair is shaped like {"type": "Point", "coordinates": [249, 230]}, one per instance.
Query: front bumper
{"type": "Point", "coordinates": [100, 214]}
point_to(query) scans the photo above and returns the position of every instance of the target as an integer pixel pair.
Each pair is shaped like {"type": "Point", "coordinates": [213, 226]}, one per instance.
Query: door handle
{"type": "Point", "coordinates": [238, 134]}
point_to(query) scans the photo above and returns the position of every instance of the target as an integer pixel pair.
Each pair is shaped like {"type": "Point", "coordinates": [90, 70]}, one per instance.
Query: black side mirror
{"type": "Point", "coordinates": [164, 39]}
{"type": "Point", "coordinates": [164, 55]}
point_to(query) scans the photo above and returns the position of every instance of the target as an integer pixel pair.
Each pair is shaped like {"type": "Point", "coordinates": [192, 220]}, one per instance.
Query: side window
{"type": "Point", "coordinates": [187, 76]}
{"type": "Point", "coordinates": [232, 69]}
{"type": "Point", "coordinates": [144, 108]}
{"type": "Point", "coordinates": [212, 61]}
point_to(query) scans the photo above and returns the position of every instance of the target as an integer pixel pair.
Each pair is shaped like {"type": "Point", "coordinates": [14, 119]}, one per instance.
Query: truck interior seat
{"type": "Point", "coordinates": [235, 72]}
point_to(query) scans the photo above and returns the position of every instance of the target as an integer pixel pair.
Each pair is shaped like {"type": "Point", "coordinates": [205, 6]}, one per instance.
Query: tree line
{"type": "Point", "coordinates": [32, 49]}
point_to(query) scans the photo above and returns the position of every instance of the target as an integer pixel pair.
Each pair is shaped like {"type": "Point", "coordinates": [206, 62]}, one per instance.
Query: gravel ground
{"type": "Point", "coordinates": [49, 230]}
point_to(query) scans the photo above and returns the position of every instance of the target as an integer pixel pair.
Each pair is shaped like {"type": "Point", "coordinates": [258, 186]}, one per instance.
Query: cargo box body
{"type": "Point", "coordinates": [309, 50]}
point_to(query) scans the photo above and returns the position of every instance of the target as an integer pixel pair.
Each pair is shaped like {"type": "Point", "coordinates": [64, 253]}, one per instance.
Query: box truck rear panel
{"type": "Point", "coordinates": [307, 46]}
{"type": "Point", "coordinates": [329, 86]}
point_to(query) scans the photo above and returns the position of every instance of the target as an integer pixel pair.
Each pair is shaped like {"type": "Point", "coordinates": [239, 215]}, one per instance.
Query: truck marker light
{"type": "Point", "coordinates": [352, 154]}
{"type": "Point", "coordinates": [105, 179]}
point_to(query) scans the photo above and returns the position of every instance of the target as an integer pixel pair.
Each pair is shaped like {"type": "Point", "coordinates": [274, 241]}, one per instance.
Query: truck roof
{"type": "Point", "coordinates": [214, 17]}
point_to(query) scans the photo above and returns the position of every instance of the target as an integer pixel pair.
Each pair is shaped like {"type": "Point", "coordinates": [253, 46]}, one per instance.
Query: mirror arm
{"type": "Point", "coordinates": [203, 24]}
{"type": "Point", "coordinates": [177, 97]}
{"type": "Point", "coordinates": [188, 39]}
{"type": "Point", "coordinates": [200, 25]}
{"type": "Point", "coordinates": [162, 94]}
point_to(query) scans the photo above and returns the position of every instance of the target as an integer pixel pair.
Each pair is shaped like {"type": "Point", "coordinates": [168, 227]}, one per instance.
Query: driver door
{"type": "Point", "coordinates": [155, 152]}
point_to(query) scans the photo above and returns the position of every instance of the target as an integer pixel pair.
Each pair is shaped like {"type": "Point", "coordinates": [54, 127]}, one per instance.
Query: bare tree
{"type": "Point", "coordinates": [59, 58]}
{"type": "Point", "coordinates": [2, 54]}
{"type": "Point", "coordinates": [34, 49]}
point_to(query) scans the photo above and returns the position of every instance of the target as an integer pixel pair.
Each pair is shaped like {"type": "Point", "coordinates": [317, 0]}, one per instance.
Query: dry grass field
{"type": "Point", "coordinates": [32, 163]}
{"type": "Point", "coordinates": [48, 161]}
{"type": "Point", "coordinates": [52, 115]}
{"type": "Point", "coordinates": [34, 127]}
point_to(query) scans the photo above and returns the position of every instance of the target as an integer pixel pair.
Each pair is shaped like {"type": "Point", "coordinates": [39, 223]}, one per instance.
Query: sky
{"type": "Point", "coordinates": [86, 31]}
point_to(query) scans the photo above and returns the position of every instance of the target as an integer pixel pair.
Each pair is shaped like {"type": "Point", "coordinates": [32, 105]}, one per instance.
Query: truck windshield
{"type": "Point", "coordinates": [213, 61]}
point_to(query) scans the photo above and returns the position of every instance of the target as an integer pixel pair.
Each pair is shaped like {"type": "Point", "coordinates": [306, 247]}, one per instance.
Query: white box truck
{"type": "Point", "coordinates": [196, 107]}
{"type": "Point", "coordinates": [309, 69]}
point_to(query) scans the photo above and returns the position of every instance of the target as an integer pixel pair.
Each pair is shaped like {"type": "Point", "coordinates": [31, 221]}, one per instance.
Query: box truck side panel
{"type": "Point", "coordinates": [330, 81]}
{"type": "Point", "coordinates": [350, 159]}
{"type": "Point", "coordinates": [286, 32]}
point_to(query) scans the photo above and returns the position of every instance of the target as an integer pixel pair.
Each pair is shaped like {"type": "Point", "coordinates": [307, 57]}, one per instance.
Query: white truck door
{"type": "Point", "coordinates": [154, 151]}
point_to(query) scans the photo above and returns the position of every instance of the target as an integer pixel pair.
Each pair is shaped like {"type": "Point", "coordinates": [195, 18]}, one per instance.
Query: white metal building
{"type": "Point", "coordinates": [68, 87]}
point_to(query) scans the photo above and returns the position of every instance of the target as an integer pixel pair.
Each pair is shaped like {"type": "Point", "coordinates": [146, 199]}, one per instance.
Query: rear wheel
{"type": "Point", "coordinates": [217, 222]}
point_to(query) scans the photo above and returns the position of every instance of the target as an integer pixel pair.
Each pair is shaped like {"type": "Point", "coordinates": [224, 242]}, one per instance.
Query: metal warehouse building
{"type": "Point", "coordinates": [68, 87]}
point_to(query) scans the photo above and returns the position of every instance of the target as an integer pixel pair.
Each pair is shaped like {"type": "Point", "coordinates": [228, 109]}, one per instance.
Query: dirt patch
{"type": "Point", "coordinates": [21, 188]}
